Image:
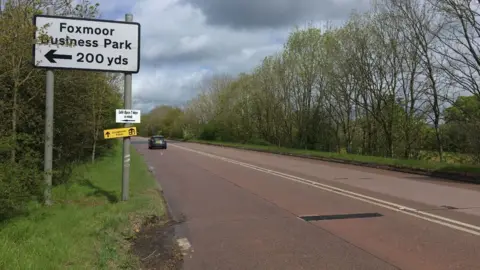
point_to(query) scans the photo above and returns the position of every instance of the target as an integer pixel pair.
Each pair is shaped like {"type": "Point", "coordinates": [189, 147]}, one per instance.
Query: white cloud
{"type": "Point", "coordinates": [180, 48]}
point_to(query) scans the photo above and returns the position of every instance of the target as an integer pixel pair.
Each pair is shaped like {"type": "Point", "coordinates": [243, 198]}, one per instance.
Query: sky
{"type": "Point", "coordinates": [185, 41]}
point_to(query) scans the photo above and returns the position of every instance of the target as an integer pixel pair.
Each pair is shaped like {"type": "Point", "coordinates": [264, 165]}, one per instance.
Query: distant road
{"type": "Point", "coordinates": [243, 210]}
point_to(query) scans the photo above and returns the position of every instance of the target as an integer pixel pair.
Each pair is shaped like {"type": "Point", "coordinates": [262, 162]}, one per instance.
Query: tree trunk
{"type": "Point", "coordinates": [94, 148]}
{"type": "Point", "coordinates": [407, 150]}
{"type": "Point", "coordinates": [364, 141]}
{"type": "Point", "coordinates": [14, 124]}
{"type": "Point", "coordinates": [439, 142]}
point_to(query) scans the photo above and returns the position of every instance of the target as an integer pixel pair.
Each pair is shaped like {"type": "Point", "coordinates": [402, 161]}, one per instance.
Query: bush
{"type": "Point", "coordinates": [18, 186]}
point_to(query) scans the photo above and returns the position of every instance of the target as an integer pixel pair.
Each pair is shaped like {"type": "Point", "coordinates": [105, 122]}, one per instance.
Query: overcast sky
{"type": "Point", "coordinates": [185, 40]}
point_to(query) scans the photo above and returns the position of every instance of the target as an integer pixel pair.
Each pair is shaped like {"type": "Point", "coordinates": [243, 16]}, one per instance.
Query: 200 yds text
{"type": "Point", "coordinates": [99, 58]}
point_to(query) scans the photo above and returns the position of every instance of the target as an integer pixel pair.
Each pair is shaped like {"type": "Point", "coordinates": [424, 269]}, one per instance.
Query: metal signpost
{"type": "Point", "coordinates": [86, 44]}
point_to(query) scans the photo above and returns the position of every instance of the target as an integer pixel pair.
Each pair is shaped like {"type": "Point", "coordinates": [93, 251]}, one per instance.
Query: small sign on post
{"type": "Point", "coordinates": [86, 44]}
{"type": "Point", "coordinates": [127, 116]}
{"type": "Point", "coordinates": [119, 132]}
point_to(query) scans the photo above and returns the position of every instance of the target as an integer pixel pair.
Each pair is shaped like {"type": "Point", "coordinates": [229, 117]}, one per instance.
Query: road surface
{"type": "Point", "coordinates": [244, 209]}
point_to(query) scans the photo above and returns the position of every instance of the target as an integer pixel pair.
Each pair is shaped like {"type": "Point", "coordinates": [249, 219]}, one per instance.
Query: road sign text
{"type": "Point", "coordinates": [73, 43]}
{"type": "Point", "coordinates": [86, 30]}
{"type": "Point", "coordinates": [119, 132]}
{"type": "Point", "coordinates": [127, 116]}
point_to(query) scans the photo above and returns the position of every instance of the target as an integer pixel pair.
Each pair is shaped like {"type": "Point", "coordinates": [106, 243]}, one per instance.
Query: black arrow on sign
{"type": "Point", "coordinates": [51, 56]}
{"type": "Point", "coordinates": [127, 120]}
{"type": "Point", "coordinates": [108, 134]}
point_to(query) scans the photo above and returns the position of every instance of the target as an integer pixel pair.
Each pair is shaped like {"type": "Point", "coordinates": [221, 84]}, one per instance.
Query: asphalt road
{"type": "Point", "coordinates": [243, 210]}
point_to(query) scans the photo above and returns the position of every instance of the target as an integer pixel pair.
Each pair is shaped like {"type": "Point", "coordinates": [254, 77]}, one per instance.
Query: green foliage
{"type": "Point", "coordinates": [85, 103]}
{"type": "Point", "coordinates": [369, 87]}
{"type": "Point", "coordinates": [87, 228]}
{"type": "Point", "coordinates": [462, 126]}
{"type": "Point", "coordinates": [209, 132]}
{"type": "Point", "coordinates": [162, 120]}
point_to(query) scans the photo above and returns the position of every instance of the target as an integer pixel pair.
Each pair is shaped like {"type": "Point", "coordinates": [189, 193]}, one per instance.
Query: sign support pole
{"type": "Point", "coordinates": [127, 96]}
{"type": "Point", "coordinates": [110, 46]}
{"type": "Point", "coordinates": [48, 155]}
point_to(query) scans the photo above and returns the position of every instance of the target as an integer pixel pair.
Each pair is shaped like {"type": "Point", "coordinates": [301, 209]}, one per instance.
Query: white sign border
{"type": "Point", "coordinates": [85, 19]}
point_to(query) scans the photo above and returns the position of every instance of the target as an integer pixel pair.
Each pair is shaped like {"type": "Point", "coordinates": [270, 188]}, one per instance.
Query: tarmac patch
{"type": "Point", "coordinates": [341, 216]}
{"type": "Point", "coordinates": [156, 245]}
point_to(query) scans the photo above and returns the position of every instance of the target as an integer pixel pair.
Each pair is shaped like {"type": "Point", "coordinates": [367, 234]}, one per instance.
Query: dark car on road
{"type": "Point", "coordinates": [157, 141]}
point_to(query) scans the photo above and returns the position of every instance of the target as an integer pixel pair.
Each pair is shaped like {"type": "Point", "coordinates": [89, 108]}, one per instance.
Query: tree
{"type": "Point", "coordinates": [22, 101]}
{"type": "Point", "coordinates": [425, 26]}
{"type": "Point", "coordinates": [462, 124]}
{"type": "Point", "coordinates": [377, 85]}
{"type": "Point", "coordinates": [459, 37]}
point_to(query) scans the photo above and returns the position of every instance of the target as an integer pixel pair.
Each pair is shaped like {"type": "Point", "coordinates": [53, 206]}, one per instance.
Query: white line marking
{"type": "Point", "coordinates": [451, 223]}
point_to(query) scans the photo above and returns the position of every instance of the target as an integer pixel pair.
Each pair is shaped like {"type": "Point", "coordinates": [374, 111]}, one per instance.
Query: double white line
{"type": "Point", "coordinates": [447, 222]}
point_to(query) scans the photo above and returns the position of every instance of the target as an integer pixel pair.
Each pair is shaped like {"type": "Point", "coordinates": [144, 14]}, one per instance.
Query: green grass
{"type": "Point", "coordinates": [426, 165]}
{"type": "Point", "coordinates": [84, 229]}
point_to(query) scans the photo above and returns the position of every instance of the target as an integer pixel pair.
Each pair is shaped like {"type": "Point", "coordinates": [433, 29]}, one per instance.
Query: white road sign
{"type": "Point", "coordinates": [127, 116]}
{"type": "Point", "coordinates": [74, 43]}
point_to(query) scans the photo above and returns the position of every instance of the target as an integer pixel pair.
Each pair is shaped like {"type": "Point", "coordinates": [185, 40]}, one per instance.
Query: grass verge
{"type": "Point", "coordinates": [459, 172]}
{"type": "Point", "coordinates": [86, 228]}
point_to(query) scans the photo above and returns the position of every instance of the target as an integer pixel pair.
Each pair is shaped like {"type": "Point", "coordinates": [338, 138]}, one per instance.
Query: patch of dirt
{"type": "Point", "coordinates": [155, 245]}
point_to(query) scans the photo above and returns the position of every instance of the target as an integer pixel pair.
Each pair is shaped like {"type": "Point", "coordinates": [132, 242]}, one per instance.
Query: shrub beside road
{"type": "Point", "coordinates": [87, 228]}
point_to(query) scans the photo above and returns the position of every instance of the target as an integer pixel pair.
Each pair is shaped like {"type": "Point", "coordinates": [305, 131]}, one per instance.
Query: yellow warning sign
{"type": "Point", "coordinates": [119, 132]}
